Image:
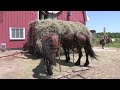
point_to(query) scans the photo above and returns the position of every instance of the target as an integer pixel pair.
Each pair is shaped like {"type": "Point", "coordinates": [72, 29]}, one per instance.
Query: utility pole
{"type": "Point", "coordinates": [104, 31]}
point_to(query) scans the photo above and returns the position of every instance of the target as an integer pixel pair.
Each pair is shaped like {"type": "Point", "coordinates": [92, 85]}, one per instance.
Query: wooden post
{"type": "Point", "coordinates": [59, 59]}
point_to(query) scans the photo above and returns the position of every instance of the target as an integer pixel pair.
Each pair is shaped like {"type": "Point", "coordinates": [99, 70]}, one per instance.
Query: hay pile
{"type": "Point", "coordinates": [39, 28]}
{"type": "Point", "coordinates": [61, 27]}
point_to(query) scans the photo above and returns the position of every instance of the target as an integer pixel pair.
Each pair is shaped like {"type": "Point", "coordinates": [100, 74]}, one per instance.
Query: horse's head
{"type": "Point", "coordinates": [50, 44]}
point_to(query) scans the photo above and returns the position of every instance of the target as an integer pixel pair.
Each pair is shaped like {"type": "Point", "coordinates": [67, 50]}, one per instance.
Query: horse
{"type": "Point", "coordinates": [50, 46]}
{"type": "Point", "coordinates": [102, 42]}
{"type": "Point", "coordinates": [79, 41]}
{"type": "Point", "coordinates": [105, 40]}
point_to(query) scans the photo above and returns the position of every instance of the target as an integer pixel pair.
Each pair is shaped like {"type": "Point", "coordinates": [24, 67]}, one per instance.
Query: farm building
{"type": "Point", "coordinates": [14, 25]}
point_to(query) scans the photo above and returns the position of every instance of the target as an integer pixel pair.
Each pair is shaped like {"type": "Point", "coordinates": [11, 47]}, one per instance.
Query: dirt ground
{"type": "Point", "coordinates": [24, 66]}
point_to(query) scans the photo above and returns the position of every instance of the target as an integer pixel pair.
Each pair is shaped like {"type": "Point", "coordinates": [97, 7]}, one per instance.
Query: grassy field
{"type": "Point", "coordinates": [116, 44]}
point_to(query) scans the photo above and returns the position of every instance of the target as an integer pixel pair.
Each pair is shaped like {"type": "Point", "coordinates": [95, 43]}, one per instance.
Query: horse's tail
{"type": "Point", "coordinates": [89, 49]}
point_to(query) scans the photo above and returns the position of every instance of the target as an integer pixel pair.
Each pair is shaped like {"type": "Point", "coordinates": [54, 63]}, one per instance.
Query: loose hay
{"type": "Point", "coordinates": [39, 28]}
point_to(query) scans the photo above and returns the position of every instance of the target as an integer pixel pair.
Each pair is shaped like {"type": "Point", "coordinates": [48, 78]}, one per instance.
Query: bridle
{"type": "Point", "coordinates": [55, 47]}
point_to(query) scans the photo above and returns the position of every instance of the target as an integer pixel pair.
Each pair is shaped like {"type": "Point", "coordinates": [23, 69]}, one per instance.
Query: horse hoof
{"type": "Point", "coordinates": [50, 74]}
{"type": "Point", "coordinates": [49, 70]}
{"type": "Point", "coordinates": [85, 64]}
{"type": "Point", "coordinates": [77, 64]}
{"type": "Point", "coordinates": [66, 61]}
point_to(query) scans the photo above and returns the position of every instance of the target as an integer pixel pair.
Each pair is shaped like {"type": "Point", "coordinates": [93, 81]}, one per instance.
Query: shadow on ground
{"type": "Point", "coordinates": [40, 71]}
{"type": "Point", "coordinates": [62, 62]}
{"type": "Point", "coordinates": [32, 56]}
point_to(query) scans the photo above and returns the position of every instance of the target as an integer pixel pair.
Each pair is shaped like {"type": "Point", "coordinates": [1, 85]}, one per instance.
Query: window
{"type": "Point", "coordinates": [17, 33]}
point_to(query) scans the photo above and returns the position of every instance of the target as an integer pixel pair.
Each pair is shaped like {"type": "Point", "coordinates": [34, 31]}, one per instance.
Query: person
{"type": "Point", "coordinates": [102, 42]}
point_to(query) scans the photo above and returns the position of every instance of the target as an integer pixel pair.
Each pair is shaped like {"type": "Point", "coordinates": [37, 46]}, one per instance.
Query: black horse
{"type": "Point", "coordinates": [50, 46]}
{"type": "Point", "coordinates": [79, 41]}
{"type": "Point", "coordinates": [105, 40]}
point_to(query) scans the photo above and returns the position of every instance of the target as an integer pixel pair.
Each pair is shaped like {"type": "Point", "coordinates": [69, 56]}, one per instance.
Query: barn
{"type": "Point", "coordinates": [14, 25]}
{"type": "Point", "coordinates": [76, 16]}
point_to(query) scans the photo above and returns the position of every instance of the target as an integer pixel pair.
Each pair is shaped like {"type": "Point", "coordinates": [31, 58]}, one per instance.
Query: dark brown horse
{"type": "Point", "coordinates": [50, 46]}
{"type": "Point", "coordinates": [79, 41]}
{"type": "Point", "coordinates": [105, 40]}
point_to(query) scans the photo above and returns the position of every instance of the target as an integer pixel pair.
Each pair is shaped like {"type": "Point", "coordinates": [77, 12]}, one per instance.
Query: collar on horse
{"type": "Point", "coordinates": [54, 47]}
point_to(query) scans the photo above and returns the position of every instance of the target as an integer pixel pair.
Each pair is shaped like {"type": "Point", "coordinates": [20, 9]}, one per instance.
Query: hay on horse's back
{"type": "Point", "coordinates": [61, 27]}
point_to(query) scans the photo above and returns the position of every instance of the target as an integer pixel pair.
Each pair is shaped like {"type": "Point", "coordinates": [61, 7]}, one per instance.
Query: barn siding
{"type": "Point", "coordinates": [17, 19]}
{"type": "Point", "coordinates": [77, 16]}
{"type": "Point", "coordinates": [21, 19]}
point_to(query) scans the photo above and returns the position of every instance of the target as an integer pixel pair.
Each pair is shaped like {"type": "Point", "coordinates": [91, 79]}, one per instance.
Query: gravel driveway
{"type": "Point", "coordinates": [27, 67]}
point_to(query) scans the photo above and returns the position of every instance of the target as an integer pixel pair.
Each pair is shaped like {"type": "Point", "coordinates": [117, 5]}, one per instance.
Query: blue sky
{"type": "Point", "coordinates": [100, 19]}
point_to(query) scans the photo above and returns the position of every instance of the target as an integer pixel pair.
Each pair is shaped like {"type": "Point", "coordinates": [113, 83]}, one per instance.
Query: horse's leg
{"type": "Point", "coordinates": [65, 52]}
{"type": "Point", "coordinates": [87, 61]}
{"type": "Point", "coordinates": [102, 46]}
{"type": "Point", "coordinates": [67, 55]}
{"type": "Point", "coordinates": [80, 55]}
{"type": "Point", "coordinates": [49, 67]}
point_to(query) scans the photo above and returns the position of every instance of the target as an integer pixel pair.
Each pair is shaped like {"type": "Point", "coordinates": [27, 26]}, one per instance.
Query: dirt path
{"type": "Point", "coordinates": [108, 65]}
{"type": "Point", "coordinates": [27, 67]}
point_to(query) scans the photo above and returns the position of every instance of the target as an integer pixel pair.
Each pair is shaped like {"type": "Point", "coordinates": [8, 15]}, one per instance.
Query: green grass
{"type": "Point", "coordinates": [116, 44]}
{"type": "Point", "coordinates": [95, 42]}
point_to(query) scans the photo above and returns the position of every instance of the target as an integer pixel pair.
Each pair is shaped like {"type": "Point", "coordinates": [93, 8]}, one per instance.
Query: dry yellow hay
{"type": "Point", "coordinates": [45, 26]}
